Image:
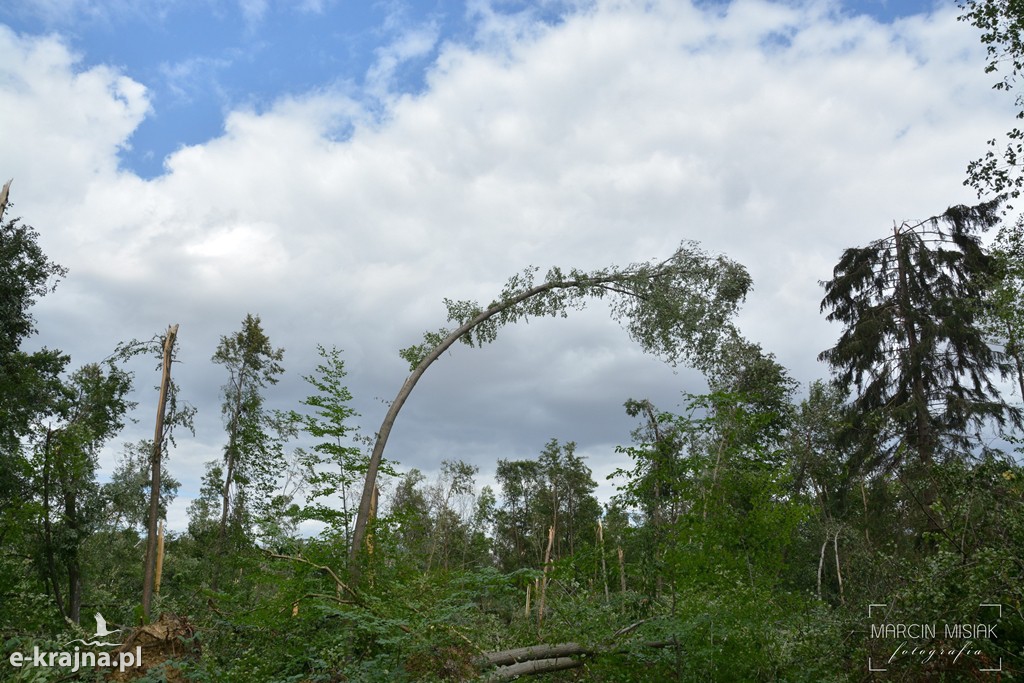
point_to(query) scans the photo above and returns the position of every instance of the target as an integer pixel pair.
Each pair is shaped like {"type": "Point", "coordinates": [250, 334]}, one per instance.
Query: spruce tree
{"type": "Point", "coordinates": [912, 354]}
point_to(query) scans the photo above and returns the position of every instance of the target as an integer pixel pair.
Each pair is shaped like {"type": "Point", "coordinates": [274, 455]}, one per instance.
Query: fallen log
{"type": "Point", "coordinates": [540, 659]}
{"type": "Point", "coordinates": [538, 666]}
{"type": "Point", "coordinates": [531, 653]}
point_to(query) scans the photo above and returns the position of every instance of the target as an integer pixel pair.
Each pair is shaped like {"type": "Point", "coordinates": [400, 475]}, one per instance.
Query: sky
{"type": "Point", "coordinates": [339, 168]}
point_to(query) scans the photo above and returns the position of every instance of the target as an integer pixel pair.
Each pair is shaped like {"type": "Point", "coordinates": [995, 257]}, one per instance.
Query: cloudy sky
{"type": "Point", "coordinates": [340, 167]}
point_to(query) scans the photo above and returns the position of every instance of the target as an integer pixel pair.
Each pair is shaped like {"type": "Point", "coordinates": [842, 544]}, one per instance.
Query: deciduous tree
{"type": "Point", "coordinates": [89, 413]}
{"type": "Point", "coordinates": [336, 461]}
{"type": "Point", "coordinates": [252, 455]}
{"type": "Point", "coordinates": [1002, 33]}
{"type": "Point", "coordinates": [679, 308]}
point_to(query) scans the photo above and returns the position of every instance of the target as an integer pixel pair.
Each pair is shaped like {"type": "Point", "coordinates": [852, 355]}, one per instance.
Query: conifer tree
{"type": "Point", "coordinates": [911, 354]}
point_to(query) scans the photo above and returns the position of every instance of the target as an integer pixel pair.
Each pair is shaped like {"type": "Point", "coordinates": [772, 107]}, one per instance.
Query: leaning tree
{"type": "Point", "coordinates": [679, 308]}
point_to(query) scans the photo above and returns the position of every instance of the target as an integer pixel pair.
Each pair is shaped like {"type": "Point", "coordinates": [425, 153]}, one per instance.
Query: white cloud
{"type": "Point", "coordinates": [253, 11]}
{"type": "Point", "coordinates": [71, 13]}
{"type": "Point", "coordinates": [62, 125]}
{"type": "Point", "coordinates": [410, 44]}
{"type": "Point", "coordinates": [194, 76]}
{"type": "Point", "coordinates": [776, 134]}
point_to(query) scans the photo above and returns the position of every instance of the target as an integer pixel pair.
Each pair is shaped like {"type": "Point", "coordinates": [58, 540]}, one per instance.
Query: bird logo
{"type": "Point", "coordinates": [101, 627]}
{"type": "Point", "coordinates": [101, 632]}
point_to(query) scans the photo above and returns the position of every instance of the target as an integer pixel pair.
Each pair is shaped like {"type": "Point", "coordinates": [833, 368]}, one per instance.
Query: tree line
{"type": "Point", "coordinates": [760, 531]}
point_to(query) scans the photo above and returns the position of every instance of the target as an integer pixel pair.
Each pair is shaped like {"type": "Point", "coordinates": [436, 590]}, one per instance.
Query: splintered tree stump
{"type": "Point", "coordinates": [169, 638]}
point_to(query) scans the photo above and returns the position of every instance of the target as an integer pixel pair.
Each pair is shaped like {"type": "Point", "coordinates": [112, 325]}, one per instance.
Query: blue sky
{"type": "Point", "coordinates": [200, 59]}
{"type": "Point", "coordinates": [340, 168]}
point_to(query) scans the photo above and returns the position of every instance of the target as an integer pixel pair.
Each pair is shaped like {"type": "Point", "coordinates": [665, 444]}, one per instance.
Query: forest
{"type": "Point", "coordinates": [867, 527]}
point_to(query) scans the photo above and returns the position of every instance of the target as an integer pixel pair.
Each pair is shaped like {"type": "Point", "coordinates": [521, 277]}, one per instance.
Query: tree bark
{"type": "Point", "coordinates": [540, 666]}
{"type": "Point", "coordinates": [159, 560]}
{"type": "Point", "coordinates": [3, 197]}
{"type": "Point", "coordinates": [532, 652]}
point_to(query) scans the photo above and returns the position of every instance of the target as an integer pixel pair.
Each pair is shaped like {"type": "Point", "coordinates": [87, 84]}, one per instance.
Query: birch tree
{"type": "Point", "coordinates": [251, 452]}
{"type": "Point", "coordinates": [678, 308]}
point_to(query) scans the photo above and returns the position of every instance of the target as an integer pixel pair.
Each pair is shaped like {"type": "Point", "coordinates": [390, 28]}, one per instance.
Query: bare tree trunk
{"type": "Point", "coordinates": [925, 441]}
{"type": "Point", "coordinates": [159, 560]}
{"type": "Point", "coordinates": [155, 467]}
{"type": "Point", "coordinates": [544, 579]}
{"type": "Point", "coordinates": [622, 570]}
{"type": "Point", "coordinates": [373, 516]}
{"type": "Point", "coordinates": [864, 500]}
{"type": "Point", "coordinates": [604, 564]}
{"type": "Point", "coordinates": [821, 563]}
{"type": "Point", "coordinates": [839, 573]}
{"type": "Point", "coordinates": [3, 196]}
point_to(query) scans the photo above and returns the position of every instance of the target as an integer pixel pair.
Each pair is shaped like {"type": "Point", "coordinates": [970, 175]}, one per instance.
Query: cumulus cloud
{"type": "Point", "coordinates": [776, 134]}
{"type": "Point", "coordinates": [63, 125]}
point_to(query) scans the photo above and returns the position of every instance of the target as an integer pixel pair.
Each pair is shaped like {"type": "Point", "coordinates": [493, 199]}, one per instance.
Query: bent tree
{"type": "Point", "coordinates": [679, 308]}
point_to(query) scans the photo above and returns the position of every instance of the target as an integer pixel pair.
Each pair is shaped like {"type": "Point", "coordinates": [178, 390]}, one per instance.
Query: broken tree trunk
{"type": "Point", "coordinates": [544, 579]}
{"type": "Point", "coordinates": [155, 464]}
{"type": "Point", "coordinates": [3, 196]}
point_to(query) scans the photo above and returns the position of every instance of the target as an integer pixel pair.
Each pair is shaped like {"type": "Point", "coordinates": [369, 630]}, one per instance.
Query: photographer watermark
{"type": "Point", "coordinates": [934, 644]}
{"type": "Point", "coordinates": [77, 659]}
